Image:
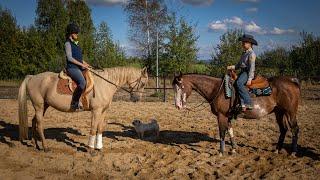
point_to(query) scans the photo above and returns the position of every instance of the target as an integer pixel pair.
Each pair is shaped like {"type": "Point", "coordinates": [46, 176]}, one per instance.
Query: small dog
{"type": "Point", "coordinates": [141, 127]}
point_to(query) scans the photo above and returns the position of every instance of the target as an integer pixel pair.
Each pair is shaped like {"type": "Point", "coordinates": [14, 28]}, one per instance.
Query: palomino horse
{"type": "Point", "coordinates": [42, 91]}
{"type": "Point", "coordinates": [283, 102]}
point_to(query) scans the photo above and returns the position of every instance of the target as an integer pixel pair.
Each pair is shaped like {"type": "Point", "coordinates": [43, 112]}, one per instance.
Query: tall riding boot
{"type": "Point", "coordinates": [75, 105]}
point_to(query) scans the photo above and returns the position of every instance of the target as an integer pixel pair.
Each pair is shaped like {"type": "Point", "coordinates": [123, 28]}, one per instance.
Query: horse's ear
{"type": "Point", "coordinates": [144, 72]}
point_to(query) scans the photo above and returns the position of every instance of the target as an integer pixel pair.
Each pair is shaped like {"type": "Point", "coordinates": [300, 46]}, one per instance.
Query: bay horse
{"type": "Point", "coordinates": [283, 101]}
{"type": "Point", "coordinates": [42, 89]}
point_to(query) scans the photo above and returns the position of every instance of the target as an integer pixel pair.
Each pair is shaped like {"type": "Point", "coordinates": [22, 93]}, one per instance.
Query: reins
{"type": "Point", "coordinates": [203, 102]}
{"type": "Point", "coordinates": [126, 90]}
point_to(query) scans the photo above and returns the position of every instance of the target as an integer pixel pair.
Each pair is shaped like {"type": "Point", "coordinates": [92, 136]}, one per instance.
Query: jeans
{"type": "Point", "coordinates": [76, 75]}
{"type": "Point", "coordinates": [242, 89]}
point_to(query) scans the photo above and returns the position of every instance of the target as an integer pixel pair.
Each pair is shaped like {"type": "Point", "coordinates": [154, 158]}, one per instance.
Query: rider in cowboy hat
{"type": "Point", "coordinates": [247, 67]}
{"type": "Point", "coordinates": [75, 64]}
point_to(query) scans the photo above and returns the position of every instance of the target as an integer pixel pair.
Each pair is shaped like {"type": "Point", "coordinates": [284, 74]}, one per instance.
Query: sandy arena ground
{"type": "Point", "coordinates": [186, 149]}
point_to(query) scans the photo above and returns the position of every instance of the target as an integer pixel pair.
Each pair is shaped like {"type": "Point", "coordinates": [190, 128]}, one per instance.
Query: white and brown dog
{"type": "Point", "coordinates": [141, 127]}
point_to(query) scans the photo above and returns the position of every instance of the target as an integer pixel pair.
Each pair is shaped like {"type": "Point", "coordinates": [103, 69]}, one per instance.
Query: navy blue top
{"type": "Point", "coordinates": [76, 54]}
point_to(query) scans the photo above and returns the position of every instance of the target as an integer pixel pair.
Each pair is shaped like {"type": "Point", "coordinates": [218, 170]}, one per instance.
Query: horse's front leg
{"type": "Point", "coordinates": [95, 120]}
{"type": "Point", "coordinates": [101, 127]}
{"type": "Point", "coordinates": [223, 127]}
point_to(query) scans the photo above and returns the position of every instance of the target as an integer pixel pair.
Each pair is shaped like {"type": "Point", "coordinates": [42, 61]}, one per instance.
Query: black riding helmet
{"type": "Point", "coordinates": [72, 28]}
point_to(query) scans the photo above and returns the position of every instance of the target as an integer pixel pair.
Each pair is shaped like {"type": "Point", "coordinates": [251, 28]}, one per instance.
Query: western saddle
{"type": "Point", "coordinates": [66, 86]}
{"type": "Point", "coordinates": [258, 82]}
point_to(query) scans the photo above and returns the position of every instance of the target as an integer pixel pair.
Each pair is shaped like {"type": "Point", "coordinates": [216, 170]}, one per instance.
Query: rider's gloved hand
{"type": "Point", "coordinates": [231, 67]}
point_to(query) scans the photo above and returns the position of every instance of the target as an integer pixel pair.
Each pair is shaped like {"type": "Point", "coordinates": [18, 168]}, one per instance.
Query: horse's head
{"type": "Point", "coordinates": [182, 90]}
{"type": "Point", "coordinates": [137, 84]}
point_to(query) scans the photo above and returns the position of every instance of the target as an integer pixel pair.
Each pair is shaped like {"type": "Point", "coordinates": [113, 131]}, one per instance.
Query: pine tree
{"type": "Point", "coordinates": [9, 40]}
{"type": "Point", "coordinates": [107, 53]}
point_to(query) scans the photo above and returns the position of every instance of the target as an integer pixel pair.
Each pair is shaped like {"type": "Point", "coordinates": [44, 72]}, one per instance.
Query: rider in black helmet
{"type": "Point", "coordinates": [75, 64]}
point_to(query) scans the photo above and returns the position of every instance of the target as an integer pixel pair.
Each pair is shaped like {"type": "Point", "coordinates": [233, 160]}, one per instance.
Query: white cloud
{"type": "Point", "coordinates": [198, 2]}
{"type": "Point", "coordinates": [252, 10]}
{"type": "Point", "coordinates": [248, 27]}
{"type": "Point", "coordinates": [252, 27]}
{"type": "Point", "coordinates": [278, 31]}
{"type": "Point", "coordinates": [235, 20]}
{"type": "Point", "coordinates": [217, 26]}
{"type": "Point", "coordinates": [106, 2]}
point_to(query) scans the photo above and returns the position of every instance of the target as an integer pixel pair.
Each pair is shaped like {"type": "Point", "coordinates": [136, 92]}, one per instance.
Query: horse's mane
{"type": "Point", "coordinates": [202, 75]}
{"type": "Point", "coordinates": [120, 73]}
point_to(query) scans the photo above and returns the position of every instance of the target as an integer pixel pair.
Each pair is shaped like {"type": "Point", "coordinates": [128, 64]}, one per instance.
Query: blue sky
{"type": "Point", "coordinates": [273, 22]}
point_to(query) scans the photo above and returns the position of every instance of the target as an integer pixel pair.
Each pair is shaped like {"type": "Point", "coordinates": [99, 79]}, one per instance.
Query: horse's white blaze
{"type": "Point", "coordinates": [99, 143]}
{"type": "Point", "coordinates": [91, 141]}
{"type": "Point", "coordinates": [231, 132]}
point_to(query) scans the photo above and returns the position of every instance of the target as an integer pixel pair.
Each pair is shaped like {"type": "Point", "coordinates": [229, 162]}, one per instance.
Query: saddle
{"type": "Point", "coordinates": [258, 82]}
{"type": "Point", "coordinates": [260, 86]}
{"type": "Point", "coordinates": [66, 86]}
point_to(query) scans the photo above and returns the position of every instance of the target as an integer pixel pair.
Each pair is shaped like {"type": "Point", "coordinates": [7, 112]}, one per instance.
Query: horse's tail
{"type": "Point", "coordinates": [23, 109]}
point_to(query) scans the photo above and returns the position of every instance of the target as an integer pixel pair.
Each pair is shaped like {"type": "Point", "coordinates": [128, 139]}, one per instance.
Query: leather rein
{"type": "Point", "coordinates": [119, 87]}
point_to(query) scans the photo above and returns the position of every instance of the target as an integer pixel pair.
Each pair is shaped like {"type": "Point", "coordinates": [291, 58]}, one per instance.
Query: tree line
{"type": "Point", "coordinates": [155, 32]}
{"type": "Point", "coordinates": [301, 60]}
{"type": "Point", "coordinates": [40, 47]}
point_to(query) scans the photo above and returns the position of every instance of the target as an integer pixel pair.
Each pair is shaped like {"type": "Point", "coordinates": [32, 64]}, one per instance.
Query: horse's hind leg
{"type": "Point", "coordinates": [295, 132]}
{"type": "Point", "coordinates": [40, 109]}
{"type": "Point", "coordinates": [35, 134]}
{"type": "Point", "coordinates": [283, 129]}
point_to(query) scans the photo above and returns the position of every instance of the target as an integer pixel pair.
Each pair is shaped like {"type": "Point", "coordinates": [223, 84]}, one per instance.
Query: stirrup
{"type": "Point", "coordinates": [76, 107]}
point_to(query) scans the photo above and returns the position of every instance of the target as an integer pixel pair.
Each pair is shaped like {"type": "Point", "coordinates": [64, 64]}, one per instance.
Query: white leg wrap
{"type": "Point", "coordinates": [99, 144]}
{"type": "Point", "coordinates": [91, 141]}
{"type": "Point", "coordinates": [231, 132]}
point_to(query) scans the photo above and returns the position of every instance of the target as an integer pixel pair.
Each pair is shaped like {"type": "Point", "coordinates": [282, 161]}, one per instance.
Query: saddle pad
{"type": "Point", "coordinates": [63, 86]}
{"type": "Point", "coordinates": [228, 86]}
{"type": "Point", "coordinates": [261, 91]}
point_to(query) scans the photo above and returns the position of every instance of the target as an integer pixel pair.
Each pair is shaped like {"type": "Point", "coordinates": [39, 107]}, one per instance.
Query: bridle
{"type": "Point", "coordinates": [137, 85]}
{"type": "Point", "coordinates": [203, 102]}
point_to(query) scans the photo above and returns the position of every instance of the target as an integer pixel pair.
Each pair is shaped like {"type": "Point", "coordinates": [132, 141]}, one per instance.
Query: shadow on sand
{"type": "Point", "coordinates": [11, 131]}
{"type": "Point", "coordinates": [169, 137]}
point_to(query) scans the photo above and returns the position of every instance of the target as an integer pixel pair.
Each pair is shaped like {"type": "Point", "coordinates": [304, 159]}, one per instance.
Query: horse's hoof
{"type": "Point", "coordinates": [294, 154]}
{"type": "Point", "coordinates": [92, 152]}
{"type": "Point", "coordinates": [220, 154]}
{"type": "Point", "coordinates": [276, 151]}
